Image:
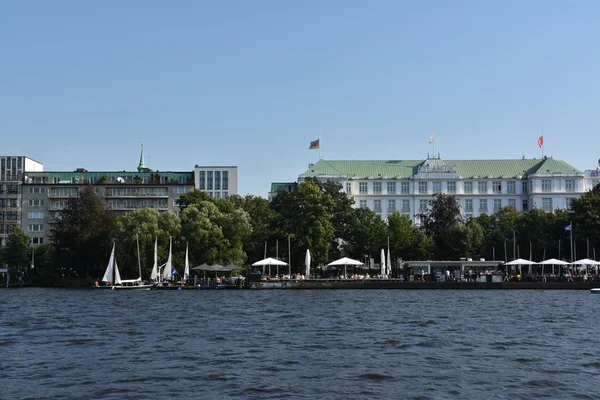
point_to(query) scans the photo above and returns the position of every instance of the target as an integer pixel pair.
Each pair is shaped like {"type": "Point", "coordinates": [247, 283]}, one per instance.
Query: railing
{"type": "Point", "coordinates": [153, 195]}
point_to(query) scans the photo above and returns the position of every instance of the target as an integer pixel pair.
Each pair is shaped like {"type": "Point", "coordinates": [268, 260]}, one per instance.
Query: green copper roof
{"type": "Point", "coordinates": [403, 169]}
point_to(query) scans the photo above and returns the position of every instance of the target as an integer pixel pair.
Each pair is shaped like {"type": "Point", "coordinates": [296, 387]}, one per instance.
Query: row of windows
{"type": "Point", "coordinates": [36, 202]}
{"type": "Point", "coordinates": [8, 203]}
{"type": "Point", "coordinates": [135, 191]}
{"type": "Point", "coordinates": [35, 228]}
{"type": "Point", "coordinates": [7, 228]}
{"type": "Point", "coordinates": [450, 187]}
{"type": "Point", "coordinates": [213, 180]}
{"type": "Point", "coordinates": [36, 240]}
{"type": "Point", "coordinates": [13, 163]}
{"type": "Point", "coordinates": [10, 189]}
{"type": "Point", "coordinates": [9, 216]}
{"type": "Point", "coordinates": [134, 204]}
{"type": "Point", "coordinates": [468, 205]}
{"type": "Point", "coordinates": [35, 215]}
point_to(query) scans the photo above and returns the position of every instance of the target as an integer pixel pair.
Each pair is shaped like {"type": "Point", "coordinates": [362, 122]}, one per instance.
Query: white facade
{"type": "Point", "coordinates": [407, 187]}
{"type": "Point", "coordinates": [216, 181]}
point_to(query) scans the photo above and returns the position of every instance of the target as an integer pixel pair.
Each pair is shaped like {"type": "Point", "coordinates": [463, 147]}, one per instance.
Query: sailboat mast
{"type": "Point", "coordinates": [137, 239]}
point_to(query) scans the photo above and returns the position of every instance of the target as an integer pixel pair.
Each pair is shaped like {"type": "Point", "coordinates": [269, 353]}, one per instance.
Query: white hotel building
{"type": "Point", "coordinates": [481, 186]}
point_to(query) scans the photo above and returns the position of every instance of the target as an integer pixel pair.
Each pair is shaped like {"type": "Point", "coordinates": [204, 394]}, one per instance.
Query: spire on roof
{"type": "Point", "coordinates": [142, 165]}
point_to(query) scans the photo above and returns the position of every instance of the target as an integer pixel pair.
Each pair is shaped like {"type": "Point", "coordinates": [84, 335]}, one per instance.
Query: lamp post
{"type": "Point", "coordinates": [493, 253]}
{"type": "Point", "coordinates": [505, 254]}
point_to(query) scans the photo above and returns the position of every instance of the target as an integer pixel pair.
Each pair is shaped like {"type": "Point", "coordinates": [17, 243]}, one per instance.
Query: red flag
{"type": "Point", "coordinates": [314, 145]}
{"type": "Point", "coordinates": [541, 141]}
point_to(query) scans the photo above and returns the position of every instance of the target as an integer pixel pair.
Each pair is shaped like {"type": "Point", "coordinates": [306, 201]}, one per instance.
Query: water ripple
{"type": "Point", "coordinates": [371, 344]}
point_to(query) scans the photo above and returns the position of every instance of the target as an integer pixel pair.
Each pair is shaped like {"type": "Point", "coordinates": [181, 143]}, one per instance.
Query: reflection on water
{"type": "Point", "coordinates": [361, 344]}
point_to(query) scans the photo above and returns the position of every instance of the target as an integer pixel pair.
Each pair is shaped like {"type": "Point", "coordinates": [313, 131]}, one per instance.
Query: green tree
{"type": "Point", "coordinates": [261, 217]}
{"type": "Point", "coordinates": [142, 223]}
{"type": "Point", "coordinates": [17, 254]}
{"type": "Point", "coordinates": [83, 232]}
{"type": "Point", "coordinates": [305, 215]}
{"type": "Point", "coordinates": [192, 197]}
{"type": "Point", "coordinates": [586, 220]}
{"type": "Point", "coordinates": [440, 222]}
{"type": "Point", "coordinates": [366, 234]}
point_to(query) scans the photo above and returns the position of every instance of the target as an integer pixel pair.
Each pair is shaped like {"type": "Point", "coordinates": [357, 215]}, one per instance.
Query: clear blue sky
{"type": "Point", "coordinates": [251, 83]}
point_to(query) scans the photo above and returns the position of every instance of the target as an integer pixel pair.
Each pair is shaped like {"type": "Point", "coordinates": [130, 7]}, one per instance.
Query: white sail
{"type": "Point", "coordinates": [167, 273]}
{"type": "Point", "coordinates": [154, 274]}
{"type": "Point", "coordinates": [186, 272]}
{"type": "Point", "coordinates": [112, 270]}
{"type": "Point", "coordinates": [117, 275]}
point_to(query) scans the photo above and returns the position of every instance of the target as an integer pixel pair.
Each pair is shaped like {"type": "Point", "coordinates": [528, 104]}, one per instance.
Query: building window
{"type": "Point", "coordinates": [225, 195]}
{"type": "Point", "coordinates": [546, 185]}
{"type": "Point", "coordinates": [209, 180]}
{"type": "Point", "coordinates": [180, 190]}
{"type": "Point", "coordinates": [497, 205]}
{"type": "Point", "coordinates": [510, 187]}
{"type": "Point", "coordinates": [524, 187]}
{"type": "Point", "coordinates": [451, 187]}
{"type": "Point", "coordinates": [35, 228]}
{"type": "Point", "coordinates": [570, 185]}
{"type": "Point", "coordinates": [482, 187]}
{"type": "Point", "coordinates": [406, 206]}
{"type": "Point", "coordinates": [391, 187]}
{"type": "Point", "coordinates": [482, 206]}
{"type": "Point", "coordinates": [218, 195]}
{"type": "Point", "coordinates": [437, 187]}
{"type": "Point", "coordinates": [512, 203]}
{"type": "Point", "coordinates": [217, 180]}
{"type": "Point", "coordinates": [391, 206]}
{"type": "Point", "coordinates": [469, 205]}
{"type": "Point", "coordinates": [377, 206]}
{"type": "Point", "coordinates": [422, 187]}
{"type": "Point", "coordinates": [202, 180]}
{"type": "Point", "coordinates": [362, 204]}
{"type": "Point", "coordinates": [423, 205]}
{"type": "Point", "coordinates": [36, 240]}
{"type": "Point", "coordinates": [569, 202]}
{"type": "Point", "coordinates": [405, 187]}
{"type": "Point", "coordinates": [225, 176]}
{"type": "Point", "coordinates": [377, 187]}
{"type": "Point", "coordinates": [525, 205]}
{"type": "Point", "coordinates": [35, 190]}
{"type": "Point", "coordinates": [35, 215]}
{"type": "Point", "coordinates": [547, 204]}
{"type": "Point", "coordinates": [65, 192]}
{"type": "Point", "coordinates": [362, 187]}
{"type": "Point", "coordinates": [497, 187]}
{"type": "Point", "coordinates": [349, 187]}
{"type": "Point", "coordinates": [469, 187]}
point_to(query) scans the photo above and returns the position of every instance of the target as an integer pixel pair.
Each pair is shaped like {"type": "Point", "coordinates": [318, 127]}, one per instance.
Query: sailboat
{"type": "Point", "coordinates": [133, 284]}
{"type": "Point", "coordinates": [111, 275]}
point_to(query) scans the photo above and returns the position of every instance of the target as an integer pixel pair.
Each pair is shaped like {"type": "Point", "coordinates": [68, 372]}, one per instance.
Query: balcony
{"type": "Point", "coordinates": [136, 195]}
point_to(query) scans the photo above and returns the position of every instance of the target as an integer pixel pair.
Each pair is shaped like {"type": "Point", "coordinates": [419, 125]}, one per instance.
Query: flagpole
{"type": "Point", "coordinates": [542, 141]}
{"type": "Point", "coordinates": [571, 231]}
{"type": "Point", "coordinates": [319, 145]}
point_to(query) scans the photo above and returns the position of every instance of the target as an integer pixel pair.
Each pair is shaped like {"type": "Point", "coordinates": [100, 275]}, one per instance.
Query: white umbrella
{"type": "Point", "coordinates": [307, 262]}
{"type": "Point", "coordinates": [345, 261]}
{"type": "Point", "coordinates": [382, 262]}
{"type": "Point", "coordinates": [268, 261]}
{"type": "Point", "coordinates": [553, 262]}
{"type": "Point", "coordinates": [585, 262]}
{"type": "Point", "coordinates": [519, 262]}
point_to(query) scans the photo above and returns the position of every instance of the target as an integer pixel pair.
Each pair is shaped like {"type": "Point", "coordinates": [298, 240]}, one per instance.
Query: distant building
{"type": "Point", "coordinates": [277, 187]}
{"type": "Point", "coordinates": [481, 186]}
{"type": "Point", "coordinates": [218, 182]}
{"type": "Point", "coordinates": [12, 172]}
{"type": "Point", "coordinates": [31, 198]}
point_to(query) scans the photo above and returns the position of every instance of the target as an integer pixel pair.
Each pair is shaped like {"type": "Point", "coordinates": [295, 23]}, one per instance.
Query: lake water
{"type": "Point", "coordinates": [322, 344]}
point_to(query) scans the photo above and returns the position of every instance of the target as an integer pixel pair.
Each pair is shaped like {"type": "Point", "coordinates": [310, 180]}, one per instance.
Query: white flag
{"type": "Point", "coordinates": [431, 139]}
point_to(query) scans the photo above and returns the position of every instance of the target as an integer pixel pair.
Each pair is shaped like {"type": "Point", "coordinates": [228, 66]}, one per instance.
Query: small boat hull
{"type": "Point", "coordinates": [595, 290]}
{"type": "Point", "coordinates": [138, 287]}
